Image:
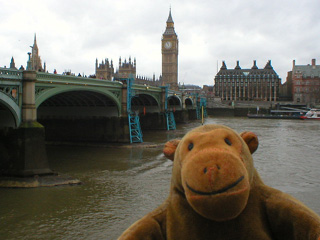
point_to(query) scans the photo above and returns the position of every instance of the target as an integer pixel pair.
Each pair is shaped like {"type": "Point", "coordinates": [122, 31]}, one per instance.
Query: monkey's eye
{"type": "Point", "coordinates": [190, 146]}
{"type": "Point", "coordinates": [227, 141]}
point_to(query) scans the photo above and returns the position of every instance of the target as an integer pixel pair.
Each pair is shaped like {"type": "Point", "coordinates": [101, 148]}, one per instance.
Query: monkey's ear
{"type": "Point", "coordinates": [251, 140]}
{"type": "Point", "coordinates": [170, 148]}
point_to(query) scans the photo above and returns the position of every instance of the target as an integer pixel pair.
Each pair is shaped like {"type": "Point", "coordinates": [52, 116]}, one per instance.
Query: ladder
{"type": "Point", "coordinates": [134, 128]}
{"type": "Point", "coordinates": [133, 118]}
{"type": "Point", "coordinates": [171, 123]}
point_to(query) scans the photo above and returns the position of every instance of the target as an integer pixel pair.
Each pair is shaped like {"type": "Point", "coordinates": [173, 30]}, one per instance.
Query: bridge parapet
{"type": "Point", "coordinates": [146, 88]}
{"type": "Point", "coordinates": [67, 79]}
{"type": "Point", "coordinates": [7, 73]}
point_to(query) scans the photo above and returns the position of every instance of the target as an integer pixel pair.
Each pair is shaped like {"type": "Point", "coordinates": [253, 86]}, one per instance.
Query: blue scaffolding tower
{"type": "Point", "coordinates": [171, 123]}
{"type": "Point", "coordinates": [134, 122]}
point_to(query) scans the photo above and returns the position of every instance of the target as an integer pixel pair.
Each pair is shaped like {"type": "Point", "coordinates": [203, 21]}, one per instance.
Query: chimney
{"type": "Point", "coordinates": [294, 63]}
{"type": "Point", "coordinates": [313, 62]}
{"type": "Point", "coordinates": [238, 66]}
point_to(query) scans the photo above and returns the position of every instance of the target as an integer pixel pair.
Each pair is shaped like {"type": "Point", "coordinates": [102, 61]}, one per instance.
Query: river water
{"type": "Point", "coordinates": [121, 184]}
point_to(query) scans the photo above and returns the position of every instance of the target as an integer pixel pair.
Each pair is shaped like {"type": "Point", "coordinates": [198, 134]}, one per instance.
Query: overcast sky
{"type": "Point", "coordinates": [71, 34]}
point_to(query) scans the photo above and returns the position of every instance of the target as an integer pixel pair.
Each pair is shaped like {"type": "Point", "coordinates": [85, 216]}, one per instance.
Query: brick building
{"type": "Point", "coordinates": [247, 84]}
{"type": "Point", "coordinates": [305, 81]}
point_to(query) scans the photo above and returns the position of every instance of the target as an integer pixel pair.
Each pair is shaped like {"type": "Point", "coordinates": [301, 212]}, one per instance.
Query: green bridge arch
{"type": "Point", "coordinates": [13, 107]}
{"type": "Point", "coordinates": [43, 93]}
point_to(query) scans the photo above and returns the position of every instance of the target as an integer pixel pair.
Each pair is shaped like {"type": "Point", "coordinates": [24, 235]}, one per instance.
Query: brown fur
{"type": "Point", "coordinates": [216, 193]}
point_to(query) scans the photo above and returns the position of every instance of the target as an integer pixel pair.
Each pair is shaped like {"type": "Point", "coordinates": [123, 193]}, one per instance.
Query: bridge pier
{"type": "Point", "coordinates": [29, 110]}
{"type": "Point", "coordinates": [153, 121]}
{"type": "Point", "coordinates": [24, 152]}
{"type": "Point", "coordinates": [100, 129]}
{"type": "Point", "coordinates": [184, 115]}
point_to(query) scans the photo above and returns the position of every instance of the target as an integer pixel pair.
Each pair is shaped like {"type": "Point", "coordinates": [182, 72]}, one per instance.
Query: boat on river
{"type": "Point", "coordinates": [312, 114]}
{"type": "Point", "coordinates": [279, 114]}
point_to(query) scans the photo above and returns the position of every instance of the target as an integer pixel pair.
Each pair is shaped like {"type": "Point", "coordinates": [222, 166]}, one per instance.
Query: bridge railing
{"type": "Point", "coordinates": [67, 79]}
{"type": "Point", "coordinates": [143, 87]}
{"type": "Point", "coordinates": [174, 93]}
{"type": "Point", "coordinates": [7, 73]}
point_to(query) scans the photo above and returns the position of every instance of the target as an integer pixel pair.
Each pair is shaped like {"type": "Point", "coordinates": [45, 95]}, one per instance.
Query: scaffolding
{"type": "Point", "coordinates": [133, 117]}
{"type": "Point", "coordinates": [171, 123]}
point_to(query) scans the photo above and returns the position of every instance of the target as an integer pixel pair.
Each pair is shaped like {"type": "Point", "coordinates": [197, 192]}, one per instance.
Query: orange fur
{"type": "Point", "coordinates": [216, 193]}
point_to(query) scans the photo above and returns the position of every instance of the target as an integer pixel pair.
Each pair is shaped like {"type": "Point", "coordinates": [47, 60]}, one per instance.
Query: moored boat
{"type": "Point", "coordinates": [312, 114]}
{"type": "Point", "coordinates": [279, 114]}
{"type": "Point", "coordinates": [273, 116]}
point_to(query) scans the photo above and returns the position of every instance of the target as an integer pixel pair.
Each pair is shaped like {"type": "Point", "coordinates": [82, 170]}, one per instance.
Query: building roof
{"type": "Point", "coordinates": [307, 70]}
{"type": "Point", "coordinates": [238, 71]}
{"type": "Point", "coordinates": [169, 31]}
{"type": "Point", "coordinates": [170, 26]}
{"type": "Point", "coordinates": [170, 18]}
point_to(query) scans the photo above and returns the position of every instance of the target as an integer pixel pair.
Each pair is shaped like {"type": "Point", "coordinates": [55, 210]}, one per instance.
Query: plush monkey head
{"type": "Point", "coordinates": [213, 169]}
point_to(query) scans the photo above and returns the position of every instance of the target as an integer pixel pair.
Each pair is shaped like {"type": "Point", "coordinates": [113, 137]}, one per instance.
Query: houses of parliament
{"type": "Point", "coordinates": [106, 70]}
{"type": "Point", "coordinates": [169, 50]}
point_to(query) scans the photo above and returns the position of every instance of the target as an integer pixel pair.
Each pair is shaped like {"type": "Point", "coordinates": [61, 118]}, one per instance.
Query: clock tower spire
{"type": "Point", "coordinates": [169, 50]}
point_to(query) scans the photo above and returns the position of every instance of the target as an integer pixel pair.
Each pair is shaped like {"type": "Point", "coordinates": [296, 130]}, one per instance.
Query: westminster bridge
{"type": "Point", "coordinates": [78, 109]}
{"type": "Point", "coordinates": [49, 96]}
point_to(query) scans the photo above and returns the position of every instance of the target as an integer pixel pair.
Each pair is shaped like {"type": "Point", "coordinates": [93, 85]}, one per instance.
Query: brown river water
{"type": "Point", "coordinates": [122, 184]}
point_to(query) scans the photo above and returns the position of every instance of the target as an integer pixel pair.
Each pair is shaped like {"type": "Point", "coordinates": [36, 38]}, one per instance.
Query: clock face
{"type": "Point", "coordinates": [168, 45]}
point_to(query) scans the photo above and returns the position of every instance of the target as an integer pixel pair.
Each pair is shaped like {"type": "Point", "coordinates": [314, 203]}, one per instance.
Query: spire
{"type": "Point", "coordinates": [12, 63]}
{"type": "Point", "coordinates": [170, 25]}
{"type": "Point", "coordinates": [170, 17]}
{"type": "Point", "coordinates": [35, 46]}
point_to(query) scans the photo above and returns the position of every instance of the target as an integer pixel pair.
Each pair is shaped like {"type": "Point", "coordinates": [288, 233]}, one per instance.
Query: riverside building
{"type": "Point", "coordinates": [305, 81]}
{"type": "Point", "coordinates": [247, 84]}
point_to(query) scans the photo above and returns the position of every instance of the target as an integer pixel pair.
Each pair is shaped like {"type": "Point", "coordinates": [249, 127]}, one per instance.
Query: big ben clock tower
{"type": "Point", "coordinates": [169, 49]}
